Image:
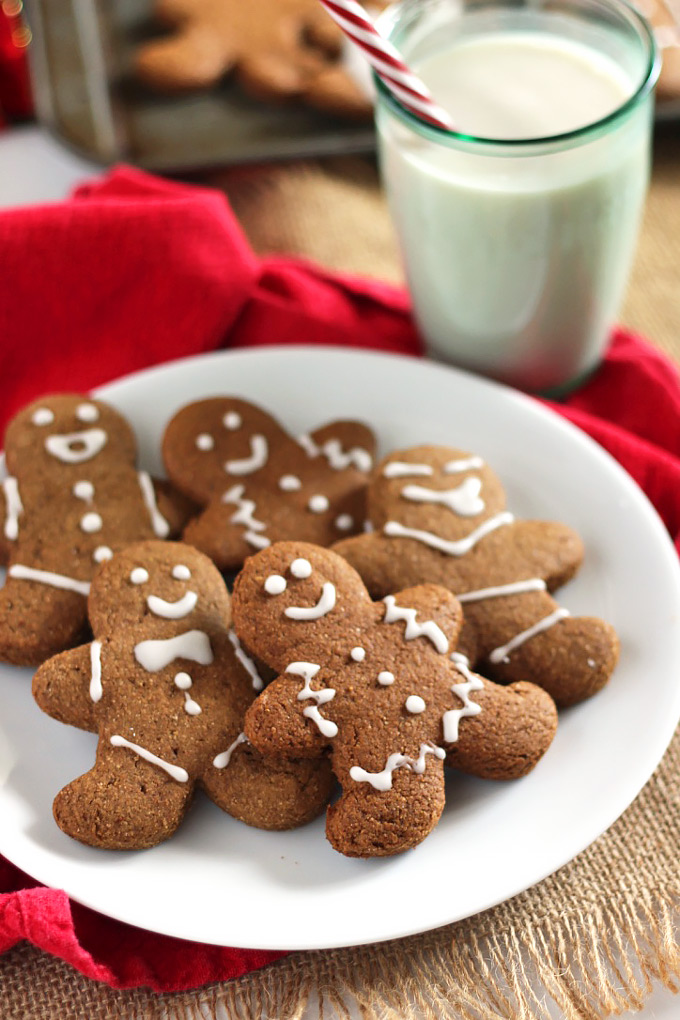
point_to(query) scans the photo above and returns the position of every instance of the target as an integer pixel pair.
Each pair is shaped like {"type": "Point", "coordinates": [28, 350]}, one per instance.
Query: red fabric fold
{"type": "Point", "coordinates": [133, 271]}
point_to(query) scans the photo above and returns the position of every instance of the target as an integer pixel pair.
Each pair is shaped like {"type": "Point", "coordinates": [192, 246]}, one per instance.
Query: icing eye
{"type": "Point", "coordinates": [414, 704]}
{"type": "Point", "coordinates": [275, 584]}
{"type": "Point", "coordinates": [183, 681]}
{"type": "Point", "coordinates": [87, 412]}
{"type": "Point", "coordinates": [318, 504]}
{"type": "Point", "coordinates": [232, 420]}
{"type": "Point", "coordinates": [181, 573]}
{"type": "Point", "coordinates": [289, 483]}
{"type": "Point", "coordinates": [43, 416]}
{"type": "Point", "coordinates": [139, 575]}
{"type": "Point", "coordinates": [101, 553]}
{"type": "Point", "coordinates": [344, 522]}
{"type": "Point", "coordinates": [204, 441]}
{"type": "Point", "coordinates": [301, 568]}
{"type": "Point", "coordinates": [358, 654]}
{"type": "Point", "coordinates": [385, 678]}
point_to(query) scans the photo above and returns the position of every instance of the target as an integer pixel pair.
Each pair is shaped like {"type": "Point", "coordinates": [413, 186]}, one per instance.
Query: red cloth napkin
{"type": "Point", "coordinates": [133, 271]}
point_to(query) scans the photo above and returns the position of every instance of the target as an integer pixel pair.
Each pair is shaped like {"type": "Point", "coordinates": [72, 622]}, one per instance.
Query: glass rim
{"type": "Point", "coordinates": [443, 135]}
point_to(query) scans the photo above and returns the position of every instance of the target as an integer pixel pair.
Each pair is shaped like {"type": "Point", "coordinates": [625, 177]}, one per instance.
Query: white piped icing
{"type": "Point", "coordinates": [43, 416]}
{"type": "Point", "coordinates": [232, 421]}
{"type": "Point", "coordinates": [102, 553]}
{"type": "Point", "coordinates": [76, 447]}
{"type": "Point", "coordinates": [502, 653]}
{"type": "Point", "coordinates": [222, 760]}
{"type": "Point", "coordinates": [464, 500]}
{"type": "Point", "coordinates": [181, 573]}
{"type": "Point", "coordinates": [91, 522]}
{"type": "Point", "coordinates": [83, 490]}
{"type": "Point", "coordinates": [325, 604]}
{"type": "Point", "coordinates": [393, 529]}
{"type": "Point", "coordinates": [301, 568]}
{"type": "Point", "coordinates": [344, 522]}
{"type": "Point", "coordinates": [402, 469]}
{"type": "Point", "coordinates": [453, 467]}
{"type": "Point", "coordinates": [183, 681]}
{"type": "Point", "coordinates": [96, 689]}
{"type": "Point", "coordinates": [244, 516]}
{"type": "Point", "coordinates": [289, 483]}
{"type": "Point", "coordinates": [339, 459]}
{"type": "Point", "coordinates": [173, 610]}
{"type": "Point", "coordinates": [23, 573]}
{"type": "Point", "coordinates": [155, 655]}
{"type": "Point", "coordinates": [14, 508]}
{"type": "Point", "coordinates": [139, 575]}
{"type": "Point", "coordinates": [275, 584]}
{"type": "Point", "coordinates": [308, 670]}
{"type": "Point", "coordinates": [308, 445]}
{"type": "Point", "coordinates": [245, 660]}
{"type": "Point", "coordinates": [382, 781]}
{"type": "Point", "coordinates": [358, 654]}
{"type": "Point", "coordinates": [514, 588]}
{"type": "Point", "coordinates": [87, 412]}
{"type": "Point", "coordinates": [180, 775]}
{"type": "Point", "coordinates": [204, 441]}
{"type": "Point", "coordinates": [318, 504]}
{"type": "Point", "coordinates": [415, 704]}
{"type": "Point", "coordinates": [429, 629]}
{"type": "Point", "coordinates": [259, 451]}
{"type": "Point", "coordinates": [451, 719]}
{"type": "Point", "coordinates": [191, 707]}
{"type": "Point", "coordinates": [161, 528]}
{"type": "Point", "coordinates": [385, 678]}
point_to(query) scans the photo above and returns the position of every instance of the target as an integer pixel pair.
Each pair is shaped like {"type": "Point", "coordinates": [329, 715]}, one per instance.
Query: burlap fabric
{"type": "Point", "coordinates": [591, 939]}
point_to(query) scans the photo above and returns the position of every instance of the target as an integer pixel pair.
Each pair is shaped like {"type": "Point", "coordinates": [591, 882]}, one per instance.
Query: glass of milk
{"type": "Point", "coordinates": [518, 229]}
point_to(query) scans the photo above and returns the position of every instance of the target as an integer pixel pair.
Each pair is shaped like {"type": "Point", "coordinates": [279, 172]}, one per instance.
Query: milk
{"type": "Point", "coordinates": [517, 256]}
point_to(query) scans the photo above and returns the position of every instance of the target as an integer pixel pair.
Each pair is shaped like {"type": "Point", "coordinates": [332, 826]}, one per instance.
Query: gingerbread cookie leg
{"type": "Point", "coordinates": [387, 812]}
{"type": "Point", "coordinates": [280, 710]}
{"type": "Point", "coordinates": [221, 538]}
{"type": "Point", "coordinates": [174, 507]}
{"type": "Point", "coordinates": [68, 686]}
{"type": "Point", "coordinates": [38, 619]}
{"type": "Point", "coordinates": [123, 803]}
{"type": "Point", "coordinates": [269, 793]}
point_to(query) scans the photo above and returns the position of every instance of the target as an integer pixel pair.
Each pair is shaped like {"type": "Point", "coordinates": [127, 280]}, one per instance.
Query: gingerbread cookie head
{"type": "Point", "coordinates": [261, 485]}
{"type": "Point", "coordinates": [383, 685]}
{"type": "Point", "coordinates": [439, 515]}
{"type": "Point", "coordinates": [166, 685]}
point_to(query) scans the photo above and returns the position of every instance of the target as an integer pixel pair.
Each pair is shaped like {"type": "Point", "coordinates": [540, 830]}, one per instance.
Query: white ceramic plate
{"type": "Point", "coordinates": [218, 881]}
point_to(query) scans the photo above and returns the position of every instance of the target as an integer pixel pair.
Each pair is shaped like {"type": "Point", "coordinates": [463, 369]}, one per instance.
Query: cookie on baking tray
{"type": "Point", "coordinates": [165, 683]}
{"type": "Point", "coordinates": [276, 49]}
{"type": "Point", "coordinates": [382, 685]}
{"type": "Point", "coordinates": [72, 497]}
{"type": "Point", "coordinates": [260, 485]}
{"type": "Point", "coordinates": [439, 516]}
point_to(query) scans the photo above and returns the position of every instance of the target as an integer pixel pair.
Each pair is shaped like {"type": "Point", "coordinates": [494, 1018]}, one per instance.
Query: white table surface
{"type": "Point", "coordinates": [35, 168]}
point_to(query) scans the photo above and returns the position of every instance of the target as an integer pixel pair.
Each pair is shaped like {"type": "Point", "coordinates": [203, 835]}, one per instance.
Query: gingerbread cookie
{"type": "Point", "coordinates": [276, 49]}
{"type": "Point", "coordinates": [258, 484]}
{"type": "Point", "coordinates": [166, 685]}
{"type": "Point", "coordinates": [73, 496]}
{"type": "Point", "coordinates": [382, 685]}
{"type": "Point", "coordinates": [439, 515]}
{"type": "Point", "coordinates": [664, 16]}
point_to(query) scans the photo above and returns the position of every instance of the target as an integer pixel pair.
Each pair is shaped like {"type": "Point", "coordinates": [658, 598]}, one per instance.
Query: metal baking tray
{"type": "Point", "coordinates": [80, 59]}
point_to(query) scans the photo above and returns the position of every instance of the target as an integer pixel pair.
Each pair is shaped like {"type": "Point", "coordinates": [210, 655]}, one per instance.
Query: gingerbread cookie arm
{"type": "Point", "coordinates": [372, 556]}
{"type": "Point", "coordinates": [192, 57]}
{"type": "Point", "coordinates": [396, 815]}
{"type": "Point", "coordinates": [282, 724]}
{"type": "Point", "coordinates": [268, 793]}
{"type": "Point", "coordinates": [213, 533]}
{"type": "Point", "coordinates": [68, 686]}
{"type": "Point", "coordinates": [37, 619]}
{"type": "Point", "coordinates": [123, 803]}
{"type": "Point", "coordinates": [173, 506]}
{"type": "Point", "coordinates": [545, 549]}
{"type": "Point", "coordinates": [344, 444]}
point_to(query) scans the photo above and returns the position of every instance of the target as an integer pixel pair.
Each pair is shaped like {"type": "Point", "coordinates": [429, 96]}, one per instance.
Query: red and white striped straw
{"type": "Point", "coordinates": [387, 62]}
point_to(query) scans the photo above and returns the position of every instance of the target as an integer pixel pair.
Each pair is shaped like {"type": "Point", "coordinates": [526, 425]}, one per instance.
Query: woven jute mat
{"type": "Point", "coordinates": [591, 939]}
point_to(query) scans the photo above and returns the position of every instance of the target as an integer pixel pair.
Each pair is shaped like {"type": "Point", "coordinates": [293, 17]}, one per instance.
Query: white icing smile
{"type": "Point", "coordinates": [173, 610]}
{"type": "Point", "coordinates": [464, 500]}
{"type": "Point", "coordinates": [325, 604]}
{"type": "Point", "coordinates": [259, 451]}
{"type": "Point", "coordinates": [75, 447]}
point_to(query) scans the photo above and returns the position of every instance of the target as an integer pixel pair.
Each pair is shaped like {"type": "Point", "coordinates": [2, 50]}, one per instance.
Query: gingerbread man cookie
{"type": "Point", "coordinates": [73, 496]}
{"type": "Point", "coordinates": [258, 484]}
{"type": "Point", "coordinates": [383, 686]}
{"type": "Point", "coordinates": [439, 515]}
{"type": "Point", "coordinates": [166, 685]}
{"type": "Point", "coordinates": [276, 49]}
